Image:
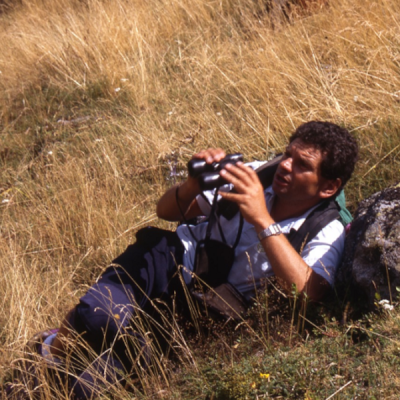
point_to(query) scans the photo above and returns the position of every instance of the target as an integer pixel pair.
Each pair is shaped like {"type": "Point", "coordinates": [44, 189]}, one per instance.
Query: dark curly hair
{"type": "Point", "coordinates": [339, 149]}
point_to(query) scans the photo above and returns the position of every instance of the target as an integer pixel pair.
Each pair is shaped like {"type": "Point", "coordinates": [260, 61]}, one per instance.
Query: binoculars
{"type": "Point", "coordinates": [208, 174]}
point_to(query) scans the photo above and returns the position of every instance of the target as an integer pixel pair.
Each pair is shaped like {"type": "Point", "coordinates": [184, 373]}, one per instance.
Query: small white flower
{"type": "Point", "coordinates": [386, 305]}
{"type": "Point", "coordinates": [116, 90]}
{"type": "Point", "coordinates": [124, 80]}
{"type": "Point", "coordinates": [4, 201]}
{"type": "Point", "coordinates": [219, 114]}
{"type": "Point", "coordinates": [50, 153]}
{"type": "Point", "coordinates": [170, 113]}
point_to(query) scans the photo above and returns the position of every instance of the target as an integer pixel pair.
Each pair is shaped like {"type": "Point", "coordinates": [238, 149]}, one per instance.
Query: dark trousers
{"type": "Point", "coordinates": [146, 271]}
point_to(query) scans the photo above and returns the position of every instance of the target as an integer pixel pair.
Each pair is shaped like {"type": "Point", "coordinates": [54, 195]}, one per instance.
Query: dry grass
{"type": "Point", "coordinates": [98, 97]}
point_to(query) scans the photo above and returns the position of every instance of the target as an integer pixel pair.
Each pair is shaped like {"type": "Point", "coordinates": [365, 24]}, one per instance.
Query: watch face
{"type": "Point", "coordinates": [272, 230]}
{"type": "Point", "coordinates": [275, 229]}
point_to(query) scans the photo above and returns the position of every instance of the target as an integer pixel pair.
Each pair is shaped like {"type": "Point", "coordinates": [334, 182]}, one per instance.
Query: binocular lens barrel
{"type": "Point", "coordinates": [211, 180]}
{"type": "Point", "coordinates": [208, 174]}
{"type": "Point", "coordinates": [197, 166]}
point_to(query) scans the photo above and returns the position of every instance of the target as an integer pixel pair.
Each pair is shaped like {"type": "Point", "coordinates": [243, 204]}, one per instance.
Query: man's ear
{"type": "Point", "coordinates": [330, 187]}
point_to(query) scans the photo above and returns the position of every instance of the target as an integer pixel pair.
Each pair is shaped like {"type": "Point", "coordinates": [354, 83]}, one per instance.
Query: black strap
{"type": "Point", "coordinates": [214, 218]}
{"type": "Point", "coordinates": [183, 215]}
{"type": "Point", "coordinates": [321, 216]}
{"type": "Point", "coordinates": [241, 223]}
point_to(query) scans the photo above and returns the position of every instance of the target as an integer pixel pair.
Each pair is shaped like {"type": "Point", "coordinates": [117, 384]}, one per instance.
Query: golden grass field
{"type": "Point", "coordinates": [100, 99]}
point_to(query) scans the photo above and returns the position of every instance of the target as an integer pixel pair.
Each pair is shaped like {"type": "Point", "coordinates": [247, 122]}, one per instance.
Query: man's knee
{"type": "Point", "coordinates": [102, 313]}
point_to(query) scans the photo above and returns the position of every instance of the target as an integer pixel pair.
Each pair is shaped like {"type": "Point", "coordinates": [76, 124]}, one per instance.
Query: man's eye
{"type": "Point", "coordinates": [304, 164]}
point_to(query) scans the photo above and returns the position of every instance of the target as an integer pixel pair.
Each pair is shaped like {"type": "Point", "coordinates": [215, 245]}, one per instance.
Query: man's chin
{"type": "Point", "coordinates": [279, 187]}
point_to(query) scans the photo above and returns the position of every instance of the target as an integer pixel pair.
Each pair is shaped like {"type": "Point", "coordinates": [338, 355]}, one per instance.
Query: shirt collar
{"type": "Point", "coordinates": [291, 223]}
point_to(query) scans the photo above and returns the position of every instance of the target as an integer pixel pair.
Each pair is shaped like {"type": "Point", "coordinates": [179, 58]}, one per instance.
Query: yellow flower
{"type": "Point", "coordinates": [266, 376]}
{"type": "Point", "coordinates": [116, 316]}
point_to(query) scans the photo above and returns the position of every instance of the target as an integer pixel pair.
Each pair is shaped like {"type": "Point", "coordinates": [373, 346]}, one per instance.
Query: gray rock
{"type": "Point", "coordinates": [370, 269]}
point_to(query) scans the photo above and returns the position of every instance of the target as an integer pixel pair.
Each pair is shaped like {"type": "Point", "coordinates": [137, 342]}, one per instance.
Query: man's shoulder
{"type": "Point", "coordinates": [331, 232]}
{"type": "Point", "coordinates": [315, 220]}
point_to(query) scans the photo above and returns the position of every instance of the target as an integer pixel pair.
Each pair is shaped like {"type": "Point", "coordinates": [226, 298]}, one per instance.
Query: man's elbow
{"type": "Point", "coordinates": [159, 211]}
{"type": "Point", "coordinates": [316, 288]}
{"type": "Point", "coordinates": [162, 213]}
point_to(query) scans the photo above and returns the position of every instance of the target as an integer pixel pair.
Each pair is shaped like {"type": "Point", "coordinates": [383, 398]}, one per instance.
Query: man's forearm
{"type": "Point", "coordinates": [286, 263]}
{"type": "Point", "coordinates": [291, 269]}
{"type": "Point", "coordinates": [168, 207]}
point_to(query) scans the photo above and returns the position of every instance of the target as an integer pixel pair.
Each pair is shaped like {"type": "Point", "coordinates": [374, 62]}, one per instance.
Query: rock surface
{"type": "Point", "coordinates": [370, 269]}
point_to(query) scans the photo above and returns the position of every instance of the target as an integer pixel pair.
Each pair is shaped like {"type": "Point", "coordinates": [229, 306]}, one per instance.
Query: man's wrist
{"type": "Point", "coordinates": [262, 223]}
{"type": "Point", "coordinates": [273, 229]}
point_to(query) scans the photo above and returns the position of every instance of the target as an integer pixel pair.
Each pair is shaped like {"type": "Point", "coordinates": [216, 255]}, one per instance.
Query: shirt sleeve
{"type": "Point", "coordinates": [324, 253]}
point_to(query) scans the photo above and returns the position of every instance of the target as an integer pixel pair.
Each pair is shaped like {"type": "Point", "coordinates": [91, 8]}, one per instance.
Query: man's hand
{"type": "Point", "coordinates": [211, 155]}
{"type": "Point", "coordinates": [249, 194]}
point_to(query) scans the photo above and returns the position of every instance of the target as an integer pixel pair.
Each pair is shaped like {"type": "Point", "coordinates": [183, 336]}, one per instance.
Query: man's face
{"type": "Point", "coordinates": [298, 177]}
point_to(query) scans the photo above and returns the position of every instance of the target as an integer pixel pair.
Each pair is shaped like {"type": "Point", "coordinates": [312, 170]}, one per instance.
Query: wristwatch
{"type": "Point", "coordinates": [272, 230]}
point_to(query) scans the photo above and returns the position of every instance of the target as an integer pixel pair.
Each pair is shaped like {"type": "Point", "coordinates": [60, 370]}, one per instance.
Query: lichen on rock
{"type": "Point", "coordinates": [371, 262]}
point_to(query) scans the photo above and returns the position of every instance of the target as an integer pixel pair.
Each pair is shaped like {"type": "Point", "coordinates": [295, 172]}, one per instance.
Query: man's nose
{"type": "Point", "coordinates": [287, 164]}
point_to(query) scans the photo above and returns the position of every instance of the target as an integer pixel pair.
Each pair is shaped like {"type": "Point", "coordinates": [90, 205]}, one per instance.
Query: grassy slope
{"type": "Point", "coordinates": [100, 98]}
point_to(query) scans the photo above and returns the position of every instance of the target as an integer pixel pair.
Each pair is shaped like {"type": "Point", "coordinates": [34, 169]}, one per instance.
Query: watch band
{"type": "Point", "coordinates": [272, 230]}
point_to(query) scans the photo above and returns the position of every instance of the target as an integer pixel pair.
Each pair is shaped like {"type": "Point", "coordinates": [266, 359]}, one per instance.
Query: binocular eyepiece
{"type": "Point", "coordinates": [208, 174]}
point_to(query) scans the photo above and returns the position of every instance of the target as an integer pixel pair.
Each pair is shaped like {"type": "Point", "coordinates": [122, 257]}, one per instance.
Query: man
{"type": "Point", "coordinates": [317, 163]}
